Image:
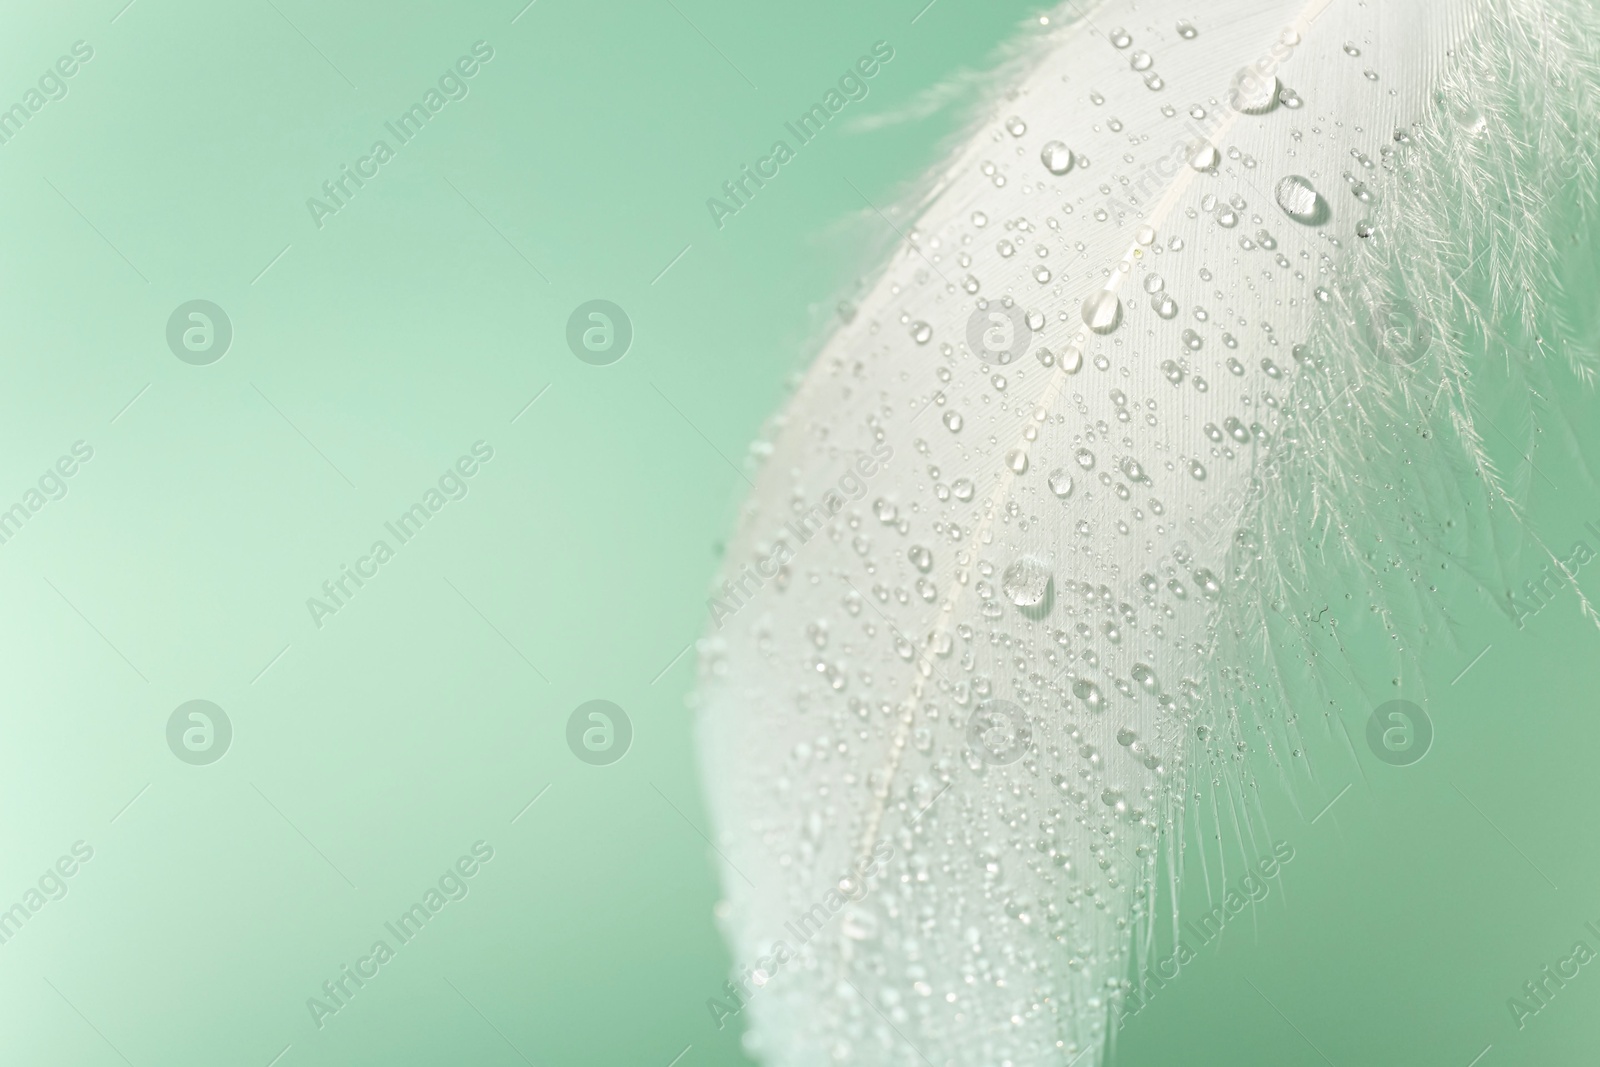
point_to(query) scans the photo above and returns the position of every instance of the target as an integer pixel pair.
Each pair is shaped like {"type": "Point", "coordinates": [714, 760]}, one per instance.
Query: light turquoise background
{"type": "Point", "coordinates": [370, 753]}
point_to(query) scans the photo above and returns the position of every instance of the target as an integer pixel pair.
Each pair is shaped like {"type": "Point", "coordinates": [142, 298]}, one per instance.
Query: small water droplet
{"type": "Point", "coordinates": [1192, 340]}
{"type": "Point", "coordinates": [1120, 37]}
{"type": "Point", "coordinates": [1102, 311]}
{"type": "Point", "coordinates": [979, 219]}
{"type": "Point", "coordinates": [961, 489]}
{"type": "Point", "coordinates": [1154, 283]}
{"type": "Point", "coordinates": [1085, 458]}
{"type": "Point", "coordinates": [1072, 359]}
{"type": "Point", "coordinates": [1153, 82]}
{"type": "Point", "coordinates": [1015, 126]}
{"type": "Point", "coordinates": [1350, 49]}
{"type": "Point", "coordinates": [920, 558]}
{"type": "Point", "coordinates": [1026, 583]}
{"type": "Point", "coordinates": [1140, 59]}
{"type": "Point", "coordinates": [1187, 31]}
{"type": "Point", "coordinates": [1254, 92]}
{"type": "Point", "coordinates": [952, 421]}
{"type": "Point", "coordinates": [1300, 200]}
{"type": "Point", "coordinates": [1060, 482]}
{"type": "Point", "coordinates": [1056, 157]}
{"type": "Point", "coordinates": [921, 332]}
{"type": "Point", "coordinates": [1164, 305]}
{"type": "Point", "coordinates": [1145, 235]}
{"type": "Point", "coordinates": [1203, 155]}
{"type": "Point", "coordinates": [1017, 461]}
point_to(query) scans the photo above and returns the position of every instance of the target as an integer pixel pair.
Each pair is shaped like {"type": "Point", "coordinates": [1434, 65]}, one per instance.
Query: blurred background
{"type": "Point", "coordinates": [232, 461]}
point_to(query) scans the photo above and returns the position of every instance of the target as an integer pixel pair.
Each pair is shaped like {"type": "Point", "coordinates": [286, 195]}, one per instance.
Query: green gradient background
{"type": "Point", "coordinates": [409, 727]}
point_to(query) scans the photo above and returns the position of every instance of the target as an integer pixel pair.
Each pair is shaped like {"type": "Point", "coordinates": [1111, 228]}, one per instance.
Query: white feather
{"type": "Point", "coordinates": [837, 691]}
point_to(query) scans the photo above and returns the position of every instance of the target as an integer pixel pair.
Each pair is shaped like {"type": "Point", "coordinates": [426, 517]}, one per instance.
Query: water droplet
{"type": "Point", "coordinates": [1192, 340]}
{"type": "Point", "coordinates": [1290, 98]}
{"type": "Point", "coordinates": [1187, 31]}
{"type": "Point", "coordinates": [1203, 155]}
{"type": "Point", "coordinates": [1026, 582]}
{"type": "Point", "coordinates": [1132, 471]}
{"type": "Point", "coordinates": [1227, 218]}
{"type": "Point", "coordinates": [1300, 200]}
{"type": "Point", "coordinates": [1153, 82]}
{"type": "Point", "coordinates": [1173, 372]}
{"type": "Point", "coordinates": [1197, 470]}
{"type": "Point", "coordinates": [1120, 37]}
{"type": "Point", "coordinates": [1363, 228]}
{"type": "Point", "coordinates": [1164, 305]}
{"type": "Point", "coordinates": [1350, 49]}
{"type": "Point", "coordinates": [1017, 461]}
{"type": "Point", "coordinates": [1290, 37]}
{"type": "Point", "coordinates": [1145, 235]}
{"type": "Point", "coordinates": [962, 489]}
{"type": "Point", "coordinates": [1060, 482]}
{"type": "Point", "coordinates": [1085, 458]}
{"type": "Point", "coordinates": [952, 421]}
{"type": "Point", "coordinates": [1072, 359]}
{"type": "Point", "coordinates": [1254, 92]}
{"type": "Point", "coordinates": [1154, 283]}
{"type": "Point", "coordinates": [1140, 59]}
{"type": "Point", "coordinates": [921, 332]}
{"type": "Point", "coordinates": [1041, 274]}
{"type": "Point", "coordinates": [979, 219]}
{"type": "Point", "coordinates": [1015, 126]}
{"type": "Point", "coordinates": [1102, 311]}
{"type": "Point", "coordinates": [920, 558]}
{"type": "Point", "coordinates": [1056, 157]}
{"type": "Point", "coordinates": [1089, 693]}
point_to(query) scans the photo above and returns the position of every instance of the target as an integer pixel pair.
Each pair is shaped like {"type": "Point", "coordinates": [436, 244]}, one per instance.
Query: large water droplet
{"type": "Point", "coordinates": [1102, 311]}
{"type": "Point", "coordinates": [1056, 157]}
{"type": "Point", "coordinates": [1027, 581]}
{"type": "Point", "coordinates": [1301, 201]}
